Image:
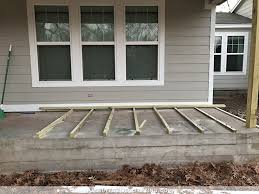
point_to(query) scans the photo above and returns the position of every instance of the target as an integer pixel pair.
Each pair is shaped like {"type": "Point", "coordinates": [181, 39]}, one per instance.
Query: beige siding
{"type": "Point", "coordinates": [245, 8]}
{"type": "Point", "coordinates": [186, 68]}
{"type": "Point", "coordinates": [232, 82]}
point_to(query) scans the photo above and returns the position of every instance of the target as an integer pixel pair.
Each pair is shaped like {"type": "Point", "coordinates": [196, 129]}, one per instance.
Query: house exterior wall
{"type": "Point", "coordinates": [233, 82]}
{"type": "Point", "coordinates": [187, 58]}
{"type": "Point", "coordinates": [245, 8]}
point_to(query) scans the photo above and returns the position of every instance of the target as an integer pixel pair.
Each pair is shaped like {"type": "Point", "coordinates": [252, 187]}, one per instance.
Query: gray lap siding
{"type": "Point", "coordinates": [187, 56]}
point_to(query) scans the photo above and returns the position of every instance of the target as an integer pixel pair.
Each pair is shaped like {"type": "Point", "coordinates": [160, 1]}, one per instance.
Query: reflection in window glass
{"type": "Point", "coordinates": [142, 62]}
{"type": "Point", "coordinates": [218, 44]}
{"type": "Point", "coordinates": [97, 23]}
{"type": "Point", "coordinates": [236, 44]}
{"type": "Point", "coordinates": [52, 23]}
{"type": "Point", "coordinates": [142, 23]}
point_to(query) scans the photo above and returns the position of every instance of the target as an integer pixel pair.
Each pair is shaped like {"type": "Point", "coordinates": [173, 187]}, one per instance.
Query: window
{"type": "Point", "coordinates": [230, 53]}
{"type": "Point", "coordinates": [97, 30]}
{"type": "Point", "coordinates": [53, 42]}
{"type": "Point", "coordinates": [89, 43]}
{"type": "Point", "coordinates": [142, 42]}
{"type": "Point", "coordinates": [235, 53]}
{"type": "Point", "coordinates": [218, 52]}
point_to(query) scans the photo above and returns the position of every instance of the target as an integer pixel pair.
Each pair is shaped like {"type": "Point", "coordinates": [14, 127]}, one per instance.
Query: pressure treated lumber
{"type": "Point", "coordinates": [56, 109]}
{"type": "Point", "coordinates": [108, 123]}
{"type": "Point", "coordinates": [199, 128]}
{"type": "Point", "coordinates": [42, 133]}
{"type": "Point", "coordinates": [217, 120]}
{"type": "Point", "coordinates": [80, 125]}
{"type": "Point", "coordinates": [169, 130]}
{"type": "Point", "coordinates": [232, 115]}
{"type": "Point", "coordinates": [137, 127]}
{"type": "Point", "coordinates": [253, 83]}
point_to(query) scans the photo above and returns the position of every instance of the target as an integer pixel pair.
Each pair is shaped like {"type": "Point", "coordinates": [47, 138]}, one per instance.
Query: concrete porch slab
{"type": "Point", "coordinates": [21, 150]}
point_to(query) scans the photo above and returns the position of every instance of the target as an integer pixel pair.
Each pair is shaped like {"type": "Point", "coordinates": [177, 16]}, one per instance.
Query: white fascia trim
{"type": "Point", "coordinates": [36, 107]}
{"type": "Point", "coordinates": [235, 7]}
{"type": "Point", "coordinates": [220, 26]}
{"type": "Point", "coordinates": [211, 66]}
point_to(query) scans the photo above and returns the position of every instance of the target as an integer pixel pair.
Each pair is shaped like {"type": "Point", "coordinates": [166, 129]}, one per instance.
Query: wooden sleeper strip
{"type": "Point", "coordinates": [108, 123]}
{"type": "Point", "coordinates": [169, 130]}
{"type": "Point", "coordinates": [42, 133]}
{"type": "Point", "coordinates": [80, 125]}
{"type": "Point", "coordinates": [199, 128]}
{"type": "Point", "coordinates": [217, 120]}
{"type": "Point", "coordinates": [137, 126]}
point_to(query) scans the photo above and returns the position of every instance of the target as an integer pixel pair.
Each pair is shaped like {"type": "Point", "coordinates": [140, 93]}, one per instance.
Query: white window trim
{"type": "Point", "coordinates": [224, 53]}
{"type": "Point", "coordinates": [76, 43]}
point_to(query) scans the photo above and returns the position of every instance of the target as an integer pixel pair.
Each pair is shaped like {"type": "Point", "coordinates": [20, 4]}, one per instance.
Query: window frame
{"type": "Point", "coordinates": [76, 42]}
{"type": "Point", "coordinates": [224, 53]}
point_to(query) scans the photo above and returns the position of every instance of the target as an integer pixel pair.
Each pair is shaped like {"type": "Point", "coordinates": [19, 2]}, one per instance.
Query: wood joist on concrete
{"type": "Point", "coordinates": [164, 115]}
{"type": "Point", "coordinates": [89, 149]}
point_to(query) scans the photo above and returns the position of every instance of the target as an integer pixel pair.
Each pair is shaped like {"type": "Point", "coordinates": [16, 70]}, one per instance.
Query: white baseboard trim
{"type": "Point", "coordinates": [36, 107]}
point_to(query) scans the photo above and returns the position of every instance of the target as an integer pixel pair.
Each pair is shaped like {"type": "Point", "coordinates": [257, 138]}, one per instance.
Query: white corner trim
{"type": "Point", "coordinates": [36, 107]}
{"type": "Point", "coordinates": [233, 26]}
{"type": "Point", "coordinates": [211, 66]}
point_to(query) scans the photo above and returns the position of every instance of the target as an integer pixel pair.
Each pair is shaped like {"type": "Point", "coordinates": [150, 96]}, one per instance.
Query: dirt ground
{"type": "Point", "coordinates": [235, 102]}
{"type": "Point", "coordinates": [197, 174]}
{"type": "Point", "coordinates": [222, 174]}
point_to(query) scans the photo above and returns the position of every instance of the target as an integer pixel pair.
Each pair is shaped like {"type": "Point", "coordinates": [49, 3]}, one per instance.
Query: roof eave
{"type": "Point", "coordinates": [217, 2]}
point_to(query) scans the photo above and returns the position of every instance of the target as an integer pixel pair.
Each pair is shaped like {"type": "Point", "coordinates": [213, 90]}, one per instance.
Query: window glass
{"type": "Point", "coordinates": [235, 62]}
{"type": "Point", "coordinates": [142, 62]}
{"type": "Point", "coordinates": [217, 63]}
{"type": "Point", "coordinates": [97, 23]}
{"type": "Point", "coordinates": [218, 44]}
{"type": "Point", "coordinates": [98, 62]}
{"type": "Point", "coordinates": [142, 23]}
{"type": "Point", "coordinates": [235, 44]}
{"type": "Point", "coordinates": [52, 23]}
{"type": "Point", "coordinates": [54, 63]}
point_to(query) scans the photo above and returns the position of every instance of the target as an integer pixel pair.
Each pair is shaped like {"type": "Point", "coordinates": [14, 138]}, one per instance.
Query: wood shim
{"type": "Point", "coordinates": [169, 130]}
{"type": "Point", "coordinates": [108, 123]}
{"type": "Point", "coordinates": [80, 125]}
{"type": "Point", "coordinates": [199, 128]}
{"type": "Point", "coordinates": [42, 133]}
{"type": "Point", "coordinates": [217, 120]}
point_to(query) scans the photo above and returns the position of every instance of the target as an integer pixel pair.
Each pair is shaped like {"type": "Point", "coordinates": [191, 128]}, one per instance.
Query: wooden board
{"type": "Point", "coordinates": [253, 83]}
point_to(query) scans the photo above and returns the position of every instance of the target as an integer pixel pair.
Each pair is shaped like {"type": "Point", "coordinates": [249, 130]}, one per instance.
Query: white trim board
{"type": "Point", "coordinates": [211, 65]}
{"type": "Point", "coordinates": [76, 43]}
{"type": "Point", "coordinates": [233, 26]}
{"type": "Point", "coordinates": [36, 107]}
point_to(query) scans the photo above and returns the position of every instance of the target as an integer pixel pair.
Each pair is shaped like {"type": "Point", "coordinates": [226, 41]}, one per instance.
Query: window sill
{"type": "Point", "coordinates": [229, 73]}
{"type": "Point", "coordinates": [97, 83]}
